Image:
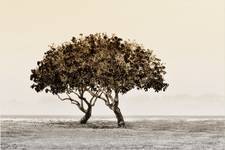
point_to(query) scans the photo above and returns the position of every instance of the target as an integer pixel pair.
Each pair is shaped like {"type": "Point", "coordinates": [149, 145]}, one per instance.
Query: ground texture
{"type": "Point", "coordinates": [151, 134]}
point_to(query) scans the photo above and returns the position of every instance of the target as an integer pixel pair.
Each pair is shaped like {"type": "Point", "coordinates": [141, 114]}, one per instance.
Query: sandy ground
{"type": "Point", "coordinates": [153, 134]}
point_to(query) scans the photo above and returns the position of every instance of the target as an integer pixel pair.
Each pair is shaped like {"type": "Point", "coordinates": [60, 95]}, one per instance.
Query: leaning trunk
{"type": "Point", "coordinates": [87, 115]}
{"type": "Point", "coordinates": [119, 117]}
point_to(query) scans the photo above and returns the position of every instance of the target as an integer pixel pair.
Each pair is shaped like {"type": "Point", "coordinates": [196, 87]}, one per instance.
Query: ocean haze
{"type": "Point", "coordinates": [187, 35]}
{"type": "Point", "coordinates": [147, 105]}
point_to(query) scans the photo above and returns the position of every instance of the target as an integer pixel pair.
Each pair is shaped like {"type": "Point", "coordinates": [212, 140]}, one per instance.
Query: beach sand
{"type": "Point", "coordinates": [97, 135]}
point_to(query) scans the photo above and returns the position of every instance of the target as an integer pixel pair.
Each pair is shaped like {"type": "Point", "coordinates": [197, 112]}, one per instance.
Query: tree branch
{"type": "Point", "coordinates": [106, 100]}
{"type": "Point", "coordinates": [93, 101]}
{"type": "Point", "coordinates": [108, 94]}
{"type": "Point", "coordinates": [76, 94]}
{"type": "Point", "coordinates": [85, 100]}
{"type": "Point", "coordinates": [72, 102]}
{"type": "Point", "coordinates": [116, 99]}
{"type": "Point", "coordinates": [96, 95]}
{"type": "Point", "coordinates": [68, 98]}
{"type": "Point", "coordinates": [81, 102]}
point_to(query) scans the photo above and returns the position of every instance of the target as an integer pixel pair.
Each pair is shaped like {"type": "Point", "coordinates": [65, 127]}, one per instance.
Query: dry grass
{"type": "Point", "coordinates": [157, 134]}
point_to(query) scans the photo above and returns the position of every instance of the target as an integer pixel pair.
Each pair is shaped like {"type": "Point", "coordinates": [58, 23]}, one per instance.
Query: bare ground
{"type": "Point", "coordinates": [154, 134]}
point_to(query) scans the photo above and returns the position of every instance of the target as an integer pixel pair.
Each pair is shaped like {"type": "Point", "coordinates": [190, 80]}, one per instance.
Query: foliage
{"type": "Point", "coordinates": [98, 63]}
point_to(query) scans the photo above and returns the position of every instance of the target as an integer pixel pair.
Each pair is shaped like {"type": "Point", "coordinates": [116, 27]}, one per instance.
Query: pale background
{"type": "Point", "coordinates": [188, 35]}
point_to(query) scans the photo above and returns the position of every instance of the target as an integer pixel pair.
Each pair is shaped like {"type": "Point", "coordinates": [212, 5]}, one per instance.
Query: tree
{"type": "Point", "coordinates": [98, 67]}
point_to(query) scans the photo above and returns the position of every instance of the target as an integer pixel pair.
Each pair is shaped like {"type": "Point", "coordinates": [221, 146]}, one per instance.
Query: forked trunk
{"type": "Point", "coordinates": [87, 115]}
{"type": "Point", "coordinates": [119, 117]}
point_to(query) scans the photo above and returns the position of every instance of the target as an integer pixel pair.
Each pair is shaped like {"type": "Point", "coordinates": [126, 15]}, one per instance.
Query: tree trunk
{"type": "Point", "coordinates": [119, 117]}
{"type": "Point", "coordinates": [87, 115]}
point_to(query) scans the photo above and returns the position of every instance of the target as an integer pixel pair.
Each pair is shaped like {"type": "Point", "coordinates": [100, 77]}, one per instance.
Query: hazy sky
{"type": "Point", "coordinates": [188, 35]}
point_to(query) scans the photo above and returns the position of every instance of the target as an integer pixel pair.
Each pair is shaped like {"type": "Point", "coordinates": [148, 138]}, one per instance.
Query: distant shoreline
{"type": "Point", "coordinates": [46, 118]}
{"type": "Point", "coordinates": [43, 115]}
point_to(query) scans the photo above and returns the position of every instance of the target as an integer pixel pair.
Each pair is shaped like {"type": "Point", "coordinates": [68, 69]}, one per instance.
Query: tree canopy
{"type": "Point", "coordinates": [99, 65]}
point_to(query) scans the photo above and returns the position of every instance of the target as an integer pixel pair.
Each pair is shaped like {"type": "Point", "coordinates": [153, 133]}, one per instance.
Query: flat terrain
{"type": "Point", "coordinates": [148, 134]}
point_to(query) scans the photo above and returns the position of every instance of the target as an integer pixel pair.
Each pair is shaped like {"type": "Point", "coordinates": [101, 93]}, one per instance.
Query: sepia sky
{"type": "Point", "coordinates": [188, 35]}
